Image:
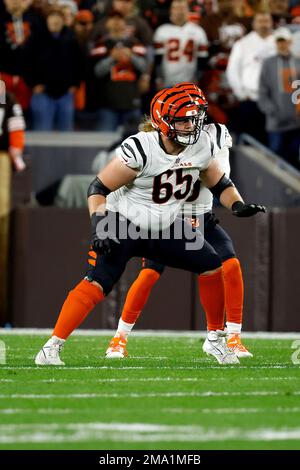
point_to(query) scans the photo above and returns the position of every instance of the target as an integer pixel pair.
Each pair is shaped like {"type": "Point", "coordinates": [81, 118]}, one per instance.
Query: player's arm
{"type": "Point", "coordinates": [223, 188]}
{"type": "Point", "coordinates": [112, 177]}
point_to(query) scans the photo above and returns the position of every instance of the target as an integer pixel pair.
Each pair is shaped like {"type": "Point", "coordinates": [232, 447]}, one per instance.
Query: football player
{"type": "Point", "coordinates": [199, 203]}
{"type": "Point", "coordinates": [134, 203]}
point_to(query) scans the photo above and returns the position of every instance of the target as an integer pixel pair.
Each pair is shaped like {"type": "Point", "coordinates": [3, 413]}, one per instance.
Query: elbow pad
{"type": "Point", "coordinates": [221, 185]}
{"type": "Point", "coordinates": [97, 187]}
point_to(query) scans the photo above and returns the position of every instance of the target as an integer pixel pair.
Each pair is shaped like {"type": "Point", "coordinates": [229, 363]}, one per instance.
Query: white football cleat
{"type": "Point", "coordinates": [117, 348]}
{"type": "Point", "coordinates": [235, 344]}
{"type": "Point", "coordinates": [49, 354]}
{"type": "Point", "coordinates": [215, 345]}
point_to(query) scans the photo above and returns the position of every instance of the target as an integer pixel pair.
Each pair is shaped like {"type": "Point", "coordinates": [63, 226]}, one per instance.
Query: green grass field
{"type": "Point", "coordinates": [166, 395]}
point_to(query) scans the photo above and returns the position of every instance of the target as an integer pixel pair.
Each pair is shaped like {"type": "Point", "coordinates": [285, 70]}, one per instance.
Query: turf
{"type": "Point", "coordinates": [166, 395]}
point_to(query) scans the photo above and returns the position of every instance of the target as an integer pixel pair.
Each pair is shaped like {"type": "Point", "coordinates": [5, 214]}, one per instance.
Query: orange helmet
{"type": "Point", "coordinates": [183, 102]}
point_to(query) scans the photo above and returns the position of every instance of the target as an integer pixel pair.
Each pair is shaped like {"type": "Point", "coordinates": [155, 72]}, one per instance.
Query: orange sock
{"type": "Point", "coordinates": [138, 294]}
{"type": "Point", "coordinates": [234, 290]}
{"type": "Point", "coordinates": [211, 290]}
{"type": "Point", "coordinates": [77, 306]}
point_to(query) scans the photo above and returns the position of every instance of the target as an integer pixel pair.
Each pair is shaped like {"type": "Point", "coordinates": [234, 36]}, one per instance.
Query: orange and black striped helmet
{"type": "Point", "coordinates": [184, 101]}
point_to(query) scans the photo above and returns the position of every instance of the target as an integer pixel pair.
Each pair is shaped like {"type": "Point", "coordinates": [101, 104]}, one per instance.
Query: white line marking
{"type": "Point", "coordinates": [151, 379]}
{"type": "Point", "coordinates": [230, 410]}
{"type": "Point", "coordinates": [145, 395]}
{"type": "Point", "coordinates": [146, 333]}
{"type": "Point", "coordinates": [136, 432]}
{"type": "Point", "coordinates": [13, 411]}
{"type": "Point", "coordinates": [158, 367]}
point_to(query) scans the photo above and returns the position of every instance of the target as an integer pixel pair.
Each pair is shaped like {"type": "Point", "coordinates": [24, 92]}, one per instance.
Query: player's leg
{"type": "Point", "coordinates": [136, 300]}
{"type": "Point", "coordinates": [103, 273]}
{"type": "Point", "coordinates": [178, 253]}
{"type": "Point", "coordinates": [78, 304]}
{"type": "Point", "coordinates": [233, 281]}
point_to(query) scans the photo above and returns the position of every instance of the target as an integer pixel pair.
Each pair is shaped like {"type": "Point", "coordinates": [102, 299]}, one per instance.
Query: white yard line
{"type": "Point", "coordinates": [42, 396]}
{"type": "Point", "coordinates": [14, 411]}
{"type": "Point", "coordinates": [146, 333]}
{"type": "Point", "coordinates": [53, 411]}
{"type": "Point", "coordinates": [158, 367]}
{"type": "Point", "coordinates": [136, 432]}
{"type": "Point", "coordinates": [231, 410]}
{"type": "Point", "coordinates": [149, 379]}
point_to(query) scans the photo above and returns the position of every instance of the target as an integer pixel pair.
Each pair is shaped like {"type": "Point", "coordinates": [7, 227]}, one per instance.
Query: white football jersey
{"type": "Point", "coordinates": [163, 183]}
{"type": "Point", "coordinates": [180, 47]}
{"type": "Point", "coordinates": [201, 199]}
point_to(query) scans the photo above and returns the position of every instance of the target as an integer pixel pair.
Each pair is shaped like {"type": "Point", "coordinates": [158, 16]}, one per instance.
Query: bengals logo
{"type": "Point", "coordinates": [18, 36]}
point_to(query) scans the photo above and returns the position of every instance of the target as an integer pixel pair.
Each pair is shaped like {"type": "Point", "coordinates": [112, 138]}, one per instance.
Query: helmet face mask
{"type": "Point", "coordinates": [179, 113]}
{"type": "Point", "coordinates": [186, 130]}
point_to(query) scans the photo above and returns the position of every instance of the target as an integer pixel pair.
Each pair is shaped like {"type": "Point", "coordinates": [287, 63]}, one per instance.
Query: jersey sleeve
{"type": "Point", "coordinates": [132, 153]}
{"type": "Point", "coordinates": [219, 142]}
{"type": "Point", "coordinates": [220, 137]}
{"type": "Point", "coordinates": [222, 157]}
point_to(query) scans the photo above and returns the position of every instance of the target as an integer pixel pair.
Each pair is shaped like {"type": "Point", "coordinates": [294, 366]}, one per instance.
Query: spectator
{"type": "Point", "coordinates": [83, 27]}
{"type": "Point", "coordinates": [138, 28]}
{"type": "Point", "coordinates": [12, 131]}
{"type": "Point", "coordinates": [136, 25]}
{"type": "Point", "coordinates": [181, 48]}
{"type": "Point", "coordinates": [242, 9]}
{"type": "Point", "coordinates": [122, 60]}
{"type": "Point", "coordinates": [18, 22]}
{"type": "Point", "coordinates": [70, 10]}
{"type": "Point", "coordinates": [295, 27]}
{"type": "Point", "coordinates": [54, 71]}
{"type": "Point", "coordinates": [226, 26]}
{"type": "Point", "coordinates": [223, 29]}
{"type": "Point", "coordinates": [279, 10]}
{"type": "Point", "coordinates": [99, 8]}
{"type": "Point", "coordinates": [156, 12]}
{"type": "Point", "coordinates": [275, 99]}
{"type": "Point", "coordinates": [295, 14]}
{"type": "Point", "coordinates": [243, 70]}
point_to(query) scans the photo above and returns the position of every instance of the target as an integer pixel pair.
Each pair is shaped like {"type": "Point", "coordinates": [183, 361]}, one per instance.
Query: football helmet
{"type": "Point", "coordinates": [172, 107]}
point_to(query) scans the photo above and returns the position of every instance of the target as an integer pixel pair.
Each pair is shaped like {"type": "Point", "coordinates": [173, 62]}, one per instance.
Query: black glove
{"type": "Point", "coordinates": [101, 242]}
{"type": "Point", "coordinates": [239, 209]}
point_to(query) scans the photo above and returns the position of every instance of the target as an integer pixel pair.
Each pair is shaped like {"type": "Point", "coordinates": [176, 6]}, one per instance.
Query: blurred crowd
{"type": "Point", "coordinates": [95, 64]}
